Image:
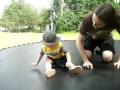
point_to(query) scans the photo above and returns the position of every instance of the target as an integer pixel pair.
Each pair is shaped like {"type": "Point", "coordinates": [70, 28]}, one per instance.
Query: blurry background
{"type": "Point", "coordinates": [23, 21]}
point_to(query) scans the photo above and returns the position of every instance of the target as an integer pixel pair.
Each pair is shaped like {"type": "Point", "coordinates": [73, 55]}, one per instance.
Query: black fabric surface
{"type": "Point", "coordinates": [17, 74]}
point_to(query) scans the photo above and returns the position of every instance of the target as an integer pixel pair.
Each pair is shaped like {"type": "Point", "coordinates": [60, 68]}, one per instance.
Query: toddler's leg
{"type": "Point", "coordinates": [49, 71]}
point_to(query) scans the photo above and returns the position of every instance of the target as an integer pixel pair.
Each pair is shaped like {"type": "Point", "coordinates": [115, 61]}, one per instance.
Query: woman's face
{"type": "Point", "coordinates": [97, 23]}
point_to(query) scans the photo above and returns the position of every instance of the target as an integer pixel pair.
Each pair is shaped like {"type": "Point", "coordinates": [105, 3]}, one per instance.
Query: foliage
{"type": "Point", "coordinates": [67, 22]}
{"type": "Point", "coordinates": [19, 16]}
{"type": "Point", "coordinates": [56, 6]}
{"type": "Point", "coordinates": [44, 16]}
{"type": "Point", "coordinates": [74, 11]}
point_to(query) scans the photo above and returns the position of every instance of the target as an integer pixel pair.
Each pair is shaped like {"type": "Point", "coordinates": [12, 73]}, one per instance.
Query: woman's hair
{"type": "Point", "coordinates": [106, 13]}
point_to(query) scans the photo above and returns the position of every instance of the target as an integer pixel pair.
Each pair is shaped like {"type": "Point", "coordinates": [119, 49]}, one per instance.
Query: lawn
{"type": "Point", "coordinates": [13, 39]}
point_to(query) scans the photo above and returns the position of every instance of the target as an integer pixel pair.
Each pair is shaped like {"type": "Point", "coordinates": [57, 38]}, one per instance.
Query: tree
{"type": "Point", "coordinates": [66, 22]}
{"type": "Point", "coordinates": [18, 15]}
{"type": "Point", "coordinates": [43, 18]}
{"type": "Point", "coordinates": [74, 11]}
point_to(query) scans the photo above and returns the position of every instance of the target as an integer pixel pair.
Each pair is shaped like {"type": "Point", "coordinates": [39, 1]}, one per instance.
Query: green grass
{"type": "Point", "coordinates": [13, 39]}
{"type": "Point", "coordinates": [116, 36]}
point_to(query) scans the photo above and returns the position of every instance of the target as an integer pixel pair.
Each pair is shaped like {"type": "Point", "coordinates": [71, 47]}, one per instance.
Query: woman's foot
{"type": "Point", "coordinates": [75, 69]}
{"type": "Point", "coordinates": [50, 72]}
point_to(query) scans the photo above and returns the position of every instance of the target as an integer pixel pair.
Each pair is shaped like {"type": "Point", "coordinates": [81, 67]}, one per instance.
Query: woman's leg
{"type": "Point", "coordinates": [107, 49]}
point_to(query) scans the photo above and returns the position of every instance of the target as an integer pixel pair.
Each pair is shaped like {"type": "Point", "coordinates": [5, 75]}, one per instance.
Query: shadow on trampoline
{"type": "Point", "coordinates": [17, 74]}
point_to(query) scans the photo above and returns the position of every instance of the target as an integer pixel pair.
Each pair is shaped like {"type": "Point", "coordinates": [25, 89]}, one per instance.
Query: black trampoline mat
{"type": "Point", "coordinates": [17, 74]}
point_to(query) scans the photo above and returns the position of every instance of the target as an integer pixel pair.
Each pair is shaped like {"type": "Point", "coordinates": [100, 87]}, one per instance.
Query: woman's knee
{"type": "Point", "coordinates": [107, 56]}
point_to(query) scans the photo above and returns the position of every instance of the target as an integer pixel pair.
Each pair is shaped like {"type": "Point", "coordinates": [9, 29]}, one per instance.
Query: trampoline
{"type": "Point", "coordinates": [17, 74]}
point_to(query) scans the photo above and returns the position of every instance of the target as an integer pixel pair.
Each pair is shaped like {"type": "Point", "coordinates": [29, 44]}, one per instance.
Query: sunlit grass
{"type": "Point", "coordinates": [13, 39]}
{"type": "Point", "coordinates": [116, 36]}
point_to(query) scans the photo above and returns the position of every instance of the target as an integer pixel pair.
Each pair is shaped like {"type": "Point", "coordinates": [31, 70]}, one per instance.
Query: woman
{"type": "Point", "coordinates": [95, 30]}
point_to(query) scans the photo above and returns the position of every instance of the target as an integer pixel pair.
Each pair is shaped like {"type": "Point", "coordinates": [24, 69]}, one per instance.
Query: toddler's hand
{"type": "Point", "coordinates": [34, 64]}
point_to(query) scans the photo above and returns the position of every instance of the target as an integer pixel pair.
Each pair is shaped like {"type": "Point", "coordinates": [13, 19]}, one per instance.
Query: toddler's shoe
{"type": "Point", "coordinates": [75, 69]}
{"type": "Point", "coordinates": [50, 72]}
